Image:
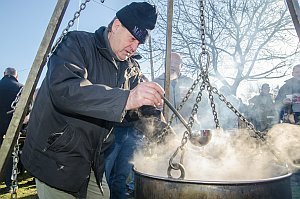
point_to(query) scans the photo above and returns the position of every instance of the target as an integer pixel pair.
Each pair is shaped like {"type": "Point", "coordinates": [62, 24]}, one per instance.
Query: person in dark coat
{"type": "Point", "coordinates": [288, 98]}
{"type": "Point", "coordinates": [9, 88]}
{"type": "Point", "coordinates": [92, 83]}
{"type": "Point", "coordinates": [263, 109]}
{"type": "Point", "coordinates": [288, 105]}
{"type": "Point", "coordinates": [179, 85]}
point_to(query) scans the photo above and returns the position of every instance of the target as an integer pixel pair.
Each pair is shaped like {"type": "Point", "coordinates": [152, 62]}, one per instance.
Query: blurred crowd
{"type": "Point", "coordinates": [264, 109]}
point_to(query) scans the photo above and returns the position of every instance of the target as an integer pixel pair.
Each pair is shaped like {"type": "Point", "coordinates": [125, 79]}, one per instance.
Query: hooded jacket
{"type": "Point", "coordinates": [80, 98]}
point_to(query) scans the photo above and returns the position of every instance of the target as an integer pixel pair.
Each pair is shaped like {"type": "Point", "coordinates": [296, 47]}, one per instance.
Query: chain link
{"type": "Point", "coordinates": [257, 134]}
{"type": "Point", "coordinates": [204, 62]}
{"type": "Point", "coordinates": [16, 100]}
{"type": "Point", "coordinates": [15, 171]}
{"type": "Point", "coordinates": [204, 76]}
{"type": "Point", "coordinates": [202, 26]}
{"type": "Point", "coordinates": [70, 24]}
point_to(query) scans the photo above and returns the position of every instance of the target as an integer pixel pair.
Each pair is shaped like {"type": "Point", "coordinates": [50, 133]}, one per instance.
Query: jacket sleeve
{"type": "Point", "coordinates": [283, 91]}
{"type": "Point", "coordinates": [72, 92]}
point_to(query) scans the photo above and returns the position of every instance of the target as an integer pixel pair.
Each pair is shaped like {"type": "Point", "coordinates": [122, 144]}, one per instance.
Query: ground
{"type": "Point", "coordinates": [26, 189]}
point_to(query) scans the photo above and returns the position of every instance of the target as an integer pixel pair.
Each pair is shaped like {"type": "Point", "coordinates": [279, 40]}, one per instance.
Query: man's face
{"type": "Point", "coordinates": [122, 42]}
{"type": "Point", "coordinates": [175, 65]}
{"type": "Point", "coordinates": [296, 72]}
{"type": "Point", "coordinates": [265, 89]}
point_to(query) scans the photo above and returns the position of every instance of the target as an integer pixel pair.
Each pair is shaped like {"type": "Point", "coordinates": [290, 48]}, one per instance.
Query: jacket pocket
{"type": "Point", "coordinates": [65, 140]}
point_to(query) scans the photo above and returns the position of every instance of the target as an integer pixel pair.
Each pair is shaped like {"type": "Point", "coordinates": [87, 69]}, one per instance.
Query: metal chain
{"type": "Point", "coordinates": [205, 54]}
{"type": "Point", "coordinates": [14, 103]}
{"type": "Point", "coordinates": [257, 134]}
{"type": "Point", "coordinates": [204, 61]}
{"type": "Point", "coordinates": [206, 81]}
{"type": "Point", "coordinates": [202, 26]}
{"type": "Point", "coordinates": [179, 107]}
{"type": "Point", "coordinates": [187, 96]}
{"type": "Point", "coordinates": [70, 24]}
{"type": "Point", "coordinates": [15, 171]}
{"type": "Point", "coordinates": [204, 76]}
{"type": "Point", "coordinates": [15, 153]}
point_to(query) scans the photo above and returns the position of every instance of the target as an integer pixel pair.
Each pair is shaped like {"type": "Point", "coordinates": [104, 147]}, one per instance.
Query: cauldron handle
{"type": "Point", "coordinates": [176, 166]}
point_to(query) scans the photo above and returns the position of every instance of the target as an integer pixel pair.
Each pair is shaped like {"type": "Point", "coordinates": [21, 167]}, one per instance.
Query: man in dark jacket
{"type": "Point", "coordinates": [9, 88]}
{"type": "Point", "coordinates": [262, 108]}
{"type": "Point", "coordinates": [91, 83]}
{"type": "Point", "coordinates": [179, 85]}
{"type": "Point", "coordinates": [288, 103]}
{"type": "Point", "coordinates": [288, 98]}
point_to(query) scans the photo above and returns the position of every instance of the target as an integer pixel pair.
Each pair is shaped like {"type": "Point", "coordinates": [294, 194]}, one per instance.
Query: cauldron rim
{"type": "Point", "coordinates": [213, 182]}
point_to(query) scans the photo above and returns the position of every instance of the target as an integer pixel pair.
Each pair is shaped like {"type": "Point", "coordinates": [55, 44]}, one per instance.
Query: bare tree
{"type": "Point", "coordinates": [247, 40]}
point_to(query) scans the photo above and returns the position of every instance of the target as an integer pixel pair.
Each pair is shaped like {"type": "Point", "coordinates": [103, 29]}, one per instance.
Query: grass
{"type": "Point", "coordinates": [26, 188]}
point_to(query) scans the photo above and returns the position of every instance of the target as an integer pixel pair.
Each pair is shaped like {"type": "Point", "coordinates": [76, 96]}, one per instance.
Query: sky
{"type": "Point", "coordinates": [23, 24]}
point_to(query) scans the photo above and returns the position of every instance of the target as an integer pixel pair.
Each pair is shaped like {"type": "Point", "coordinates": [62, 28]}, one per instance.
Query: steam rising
{"type": "Point", "coordinates": [229, 156]}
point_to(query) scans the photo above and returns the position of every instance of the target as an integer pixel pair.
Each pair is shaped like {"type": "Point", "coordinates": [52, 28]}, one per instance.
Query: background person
{"type": "Point", "coordinates": [228, 119]}
{"type": "Point", "coordinates": [262, 108]}
{"type": "Point", "coordinates": [119, 156]}
{"type": "Point", "coordinates": [179, 85]}
{"type": "Point", "coordinates": [9, 88]}
{"type": "Point", "coordinates": [288, 98]}
{"type": "Point", "coordinates": [288, 107]}
{"type": "Point", "coordinates": [92, 82]}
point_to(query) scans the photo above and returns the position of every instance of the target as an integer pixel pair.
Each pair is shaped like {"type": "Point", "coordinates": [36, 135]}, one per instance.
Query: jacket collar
{"type": "Point", "coordinates": [293, 80]}
{"type": "Point", "coordinates": [104, 46]}
{"type": "Point", "coordinates": [10, 77]}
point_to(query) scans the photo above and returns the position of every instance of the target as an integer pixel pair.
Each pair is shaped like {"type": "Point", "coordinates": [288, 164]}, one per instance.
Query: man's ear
{"type": "Point", "coordinates": [116, 25]}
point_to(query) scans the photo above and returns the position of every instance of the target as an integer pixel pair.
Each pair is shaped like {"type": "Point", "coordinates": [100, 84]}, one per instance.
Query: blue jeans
{"type": "Point", "coordinates": [8, 172]}
{"type": "Point", "coordinates": [130, 184]}
{"type": "Point", "coordinates": [118, 160]}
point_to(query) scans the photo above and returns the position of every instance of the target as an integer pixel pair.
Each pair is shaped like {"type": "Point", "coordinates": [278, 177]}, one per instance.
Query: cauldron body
{"type": "Point", "coordinates": [155, 187]}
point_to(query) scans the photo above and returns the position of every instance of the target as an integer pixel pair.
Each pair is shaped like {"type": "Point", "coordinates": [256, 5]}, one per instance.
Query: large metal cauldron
{"type": "Point", "coordinates": [154, 187]}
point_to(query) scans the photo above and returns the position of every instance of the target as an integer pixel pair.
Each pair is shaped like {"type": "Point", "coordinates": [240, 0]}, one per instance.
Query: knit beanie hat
{"type": "Point", "coordinates": [139, 18]}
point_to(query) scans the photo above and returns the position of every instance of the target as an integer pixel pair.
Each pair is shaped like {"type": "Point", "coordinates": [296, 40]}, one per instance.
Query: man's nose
{"type": "Point", "coordinates": [135, 45]}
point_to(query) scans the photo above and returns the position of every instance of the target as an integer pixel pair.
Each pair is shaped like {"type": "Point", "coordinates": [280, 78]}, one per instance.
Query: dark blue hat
{"type": "Point", "coordinates": [139, 18]}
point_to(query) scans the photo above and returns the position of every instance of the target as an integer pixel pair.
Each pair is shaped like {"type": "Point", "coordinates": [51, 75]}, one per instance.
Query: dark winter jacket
{"type": "Point", "coordinates": [291, 87]}
{"type": "Point", "coordinates": [178, 90]}
{"type": "Point", "coordinates": [263, 106]}
{"type": "Point", "coordinates": [80, 98]}
{"type": "Point", "coordinates": [9, 88]}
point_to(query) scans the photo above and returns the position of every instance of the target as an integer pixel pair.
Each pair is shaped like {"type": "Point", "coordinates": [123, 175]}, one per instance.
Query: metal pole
{"type": "Point", "coordinates": [31, 82]}
{"type": "Point", "coordinates": [151, 58]}
{"type": "Point", "coordinates": [79, 3]}
{"type": "Point", "coordinates": [168, 56]}
{"type": "Point", "coordinates": [294, 9]}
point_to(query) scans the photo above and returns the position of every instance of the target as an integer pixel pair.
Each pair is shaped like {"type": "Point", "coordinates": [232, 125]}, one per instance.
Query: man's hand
{"type": "Point", "coordinates": [145, 93]}
{"type": "Point", "coordinates": [287, 101]}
